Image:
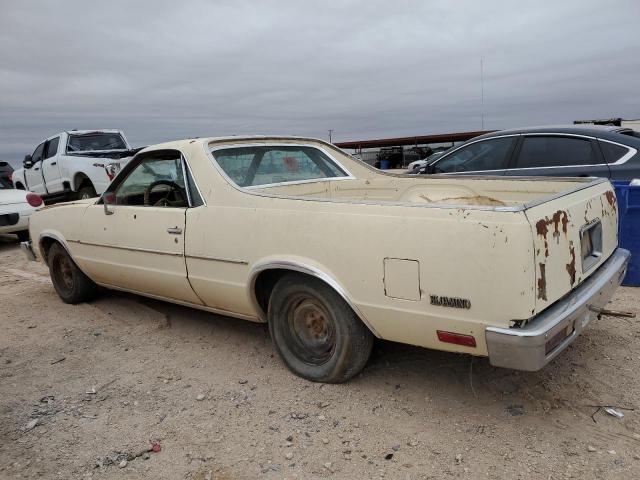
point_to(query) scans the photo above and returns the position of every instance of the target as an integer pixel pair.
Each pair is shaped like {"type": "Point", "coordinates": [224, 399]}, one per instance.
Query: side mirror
{"type": "Point", "coordinates": [27, 162]}
{"type": "Point", "coordinates": [107, 198]}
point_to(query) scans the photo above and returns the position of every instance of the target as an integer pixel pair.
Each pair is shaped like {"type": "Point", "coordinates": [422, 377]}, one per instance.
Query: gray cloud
{"type": "Point", "coordinates": [162, 70]}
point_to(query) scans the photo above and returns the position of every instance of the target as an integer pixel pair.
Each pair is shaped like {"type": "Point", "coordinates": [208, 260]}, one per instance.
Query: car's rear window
{"type": "Point", "coordinates": [95, 141]}
{"type": "Point", "coordinates": [250, 166]}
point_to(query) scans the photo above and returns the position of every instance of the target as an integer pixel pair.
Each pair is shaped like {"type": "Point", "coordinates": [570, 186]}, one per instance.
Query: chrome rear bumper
{"type": "Point", "coordinates": [547, 335]}
{"type": "Point", "coordinates": [27, 249]}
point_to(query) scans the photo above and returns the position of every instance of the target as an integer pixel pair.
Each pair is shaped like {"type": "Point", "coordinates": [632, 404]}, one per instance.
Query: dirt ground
{"type": "Point", "coordinates": [86, 389]}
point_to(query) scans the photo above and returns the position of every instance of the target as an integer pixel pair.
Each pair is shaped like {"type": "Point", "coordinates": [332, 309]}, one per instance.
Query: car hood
{"type": "Point", "coordinates": [10, 196]}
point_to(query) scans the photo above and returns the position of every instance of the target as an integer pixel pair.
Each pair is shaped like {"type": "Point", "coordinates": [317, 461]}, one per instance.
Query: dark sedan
{"type": "Point", "coordinates": [566, 151]}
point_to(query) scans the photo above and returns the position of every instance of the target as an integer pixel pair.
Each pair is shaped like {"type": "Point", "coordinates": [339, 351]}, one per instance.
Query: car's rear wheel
{"type": "Point", "coordinates": [316, 333]}
{"type": "Point", "coordinates": [87, 192]}
{"type": "Point", "coordinates": [70, 283]}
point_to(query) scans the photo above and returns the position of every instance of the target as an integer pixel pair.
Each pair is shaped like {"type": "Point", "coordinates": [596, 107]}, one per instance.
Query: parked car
{"type": "Point", "coordinates": [6, 170]}
{"type": "Point", "coordinates": [567, 151]}
{"type": "Point", "coordinates": [74, 164]}
{"type": "Point", "coordinates": [16, 207]}
{"type": "Point", "coordinates": [425, 161]}
{"type": "Point", "coordinates": [297, 233]}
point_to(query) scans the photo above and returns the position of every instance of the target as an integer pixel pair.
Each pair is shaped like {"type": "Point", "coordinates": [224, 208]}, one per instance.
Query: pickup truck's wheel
{"type": "Point", "coordinates": [87, 192]}
{"type": "Point", "coordinates": [70, 283]}
{"type": "Point", "coordinates": [316, 333]}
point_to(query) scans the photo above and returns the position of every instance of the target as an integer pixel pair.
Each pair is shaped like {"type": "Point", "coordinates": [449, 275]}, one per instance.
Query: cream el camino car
{"type": "Point", "coordinates": [332, 253]}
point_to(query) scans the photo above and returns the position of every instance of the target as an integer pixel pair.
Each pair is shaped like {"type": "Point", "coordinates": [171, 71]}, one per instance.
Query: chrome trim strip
{"type": "Point", "coordinates": [302, 268]}
{"type": "Point", "coordinates": [210, 151]}
{"type": "Point", "coordinates": [525, 348]}
{"type": "Point", "coordinates": [186, 181]}
{"type": "Point", "coordinates": [131, 249]}
{"type": "Point", "coordinates": [217, 259]}
{"type": "Point", "coordinates": [204, 202]}
{"type": "Point", "coordinates": [217, 311]}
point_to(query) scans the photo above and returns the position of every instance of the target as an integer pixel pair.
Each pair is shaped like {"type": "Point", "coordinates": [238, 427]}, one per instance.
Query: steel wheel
{"type": "Point", "coordinates": [312, 330]}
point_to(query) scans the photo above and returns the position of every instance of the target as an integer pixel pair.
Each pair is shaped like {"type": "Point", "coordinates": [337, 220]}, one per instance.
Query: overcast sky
{"type": "Point", "coordinates": [366, 69]}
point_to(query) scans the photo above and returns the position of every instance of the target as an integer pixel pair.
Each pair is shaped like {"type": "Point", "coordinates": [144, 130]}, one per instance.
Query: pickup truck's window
{"type": "Point", "coordinates": [37, 153]}
{"type": "Point", "coordinates": [541, 152]}
{"type": "Point", "coordinates": [491, 154]}
{"type": "Point", "coordinates": [52, 147]}
{"type": "Point", "coordinates": [83, 142]}
{"type": "Point", "coordinates": [265, 165]}
{"type": "Point", "coordinates": [612, 152]}
{"type": "Point", "coordinates": [155, 182]}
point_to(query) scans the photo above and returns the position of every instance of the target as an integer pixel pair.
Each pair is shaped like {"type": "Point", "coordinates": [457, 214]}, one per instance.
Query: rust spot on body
{"type": "Point", "coordinates": [571, 266]}
{"type": "Point", "coordinates": [542, 227]}
{"type": "Point", "coordinates": [542, 282]}
{"type": "Point", "coordinates": [611, 198]}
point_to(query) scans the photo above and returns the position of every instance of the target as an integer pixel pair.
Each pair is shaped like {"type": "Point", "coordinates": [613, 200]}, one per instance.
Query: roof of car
{"type": "Point", "coordinates": [601, 131]}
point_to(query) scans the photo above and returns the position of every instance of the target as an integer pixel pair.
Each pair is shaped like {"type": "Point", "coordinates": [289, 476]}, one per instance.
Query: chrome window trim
{"type": "Point", "coordinates": [211, 150]}
{"type": "Point", "coordinates": [630, 152]}
{"type": "Point", "coordinates": [193, 178]}
{"type": "Point", "coordinates": [186, 182]}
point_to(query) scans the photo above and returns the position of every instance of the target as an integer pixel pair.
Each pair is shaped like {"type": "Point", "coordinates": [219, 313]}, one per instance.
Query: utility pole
{"type": "Point", "coordinates": [330, 135]}
{"type": "Point", "coordinates": [482, 92]}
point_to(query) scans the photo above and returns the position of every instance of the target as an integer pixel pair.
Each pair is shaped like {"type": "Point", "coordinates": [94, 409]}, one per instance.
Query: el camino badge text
{"type": "Point", "coordinates": [450, 302]}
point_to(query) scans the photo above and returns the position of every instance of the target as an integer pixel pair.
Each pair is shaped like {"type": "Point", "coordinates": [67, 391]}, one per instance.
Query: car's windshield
{"type": "Point", "coordinates": [265, 165]}
{"type": "Point", "coordinates": [95, 141]}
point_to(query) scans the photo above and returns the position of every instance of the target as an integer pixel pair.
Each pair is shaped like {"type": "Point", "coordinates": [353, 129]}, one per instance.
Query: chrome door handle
{"type": "Point", "coordinates": [174, 231]}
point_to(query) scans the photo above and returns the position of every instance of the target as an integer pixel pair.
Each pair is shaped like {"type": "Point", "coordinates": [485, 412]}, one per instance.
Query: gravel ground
{"type": "Point", "coordinates": [86, 390]}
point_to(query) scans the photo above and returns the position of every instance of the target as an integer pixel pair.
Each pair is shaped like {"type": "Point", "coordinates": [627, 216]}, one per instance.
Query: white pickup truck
{"type": "Point", "coordinates": [74, 164]}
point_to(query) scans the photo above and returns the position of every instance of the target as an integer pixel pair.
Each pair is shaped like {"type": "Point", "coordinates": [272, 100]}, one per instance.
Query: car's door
{"type": "Point", "coordinates": [558, 155]}
{"type": "Point", "coordinates": [487, 156]}
{"type": "Point", "coordinates": [33, 175]}
{"type": "Point", "coordinates": [50, 166]}
{"type": "Point", "coordinates": [137, 242]}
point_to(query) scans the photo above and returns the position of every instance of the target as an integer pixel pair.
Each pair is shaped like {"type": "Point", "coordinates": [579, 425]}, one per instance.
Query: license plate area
{"type": "Point", "coordinates": [591, 244]}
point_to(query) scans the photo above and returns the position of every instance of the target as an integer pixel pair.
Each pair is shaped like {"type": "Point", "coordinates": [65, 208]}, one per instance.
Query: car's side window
{"type": "Point", "coordinates": [490, 154]}
{"type": "Point", "coordinates": [157, 181]}
{"type": "Point", "coordinates": [612, 152]}
{"type": "Point", "coordinates": [37, 153]}
{"type": "Point", "coordinates": [52, 147]}
{"type": "Point", "coordinates": [555, 151]}
{"type": "Point", "coordinates": [265, 165]}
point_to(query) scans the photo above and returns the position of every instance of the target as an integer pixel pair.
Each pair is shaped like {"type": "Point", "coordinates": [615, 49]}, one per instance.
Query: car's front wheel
{"type": "Point", "coordinates": [316, 333]}
{"type": "Point", "coordinates": [70, 283]}
{"type": "Point", "coordinates": [87, 192]}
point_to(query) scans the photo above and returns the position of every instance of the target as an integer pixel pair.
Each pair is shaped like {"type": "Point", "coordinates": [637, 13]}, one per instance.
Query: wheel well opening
{"type": "Point", "coordinates": [81, 181]}
{"type": "Point", "coordinates": [19, 186]}
{"type": "Point", "coordinates": [263, 286]}
{"type": "Point", "coordinates": [45, 245]}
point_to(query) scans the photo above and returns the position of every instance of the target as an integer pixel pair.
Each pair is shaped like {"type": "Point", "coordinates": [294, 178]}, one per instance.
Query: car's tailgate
{"type": "Point", "coordinates": [565, 229]}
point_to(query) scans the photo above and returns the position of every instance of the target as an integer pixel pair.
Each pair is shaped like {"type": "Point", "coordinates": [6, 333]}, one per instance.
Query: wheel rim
{"type": "Point", "coordinates": [311, 332]}
{"type": "Point", "coordinates": [63, 272]}
{"type": "Point", "coordinates": [84, 196]}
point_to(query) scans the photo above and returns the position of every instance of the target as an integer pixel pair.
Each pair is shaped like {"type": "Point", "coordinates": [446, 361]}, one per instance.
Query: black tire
{"type": "Point", "coordinates": [19, 186]}
{"type": "Point", "coordinates": [23, 235]}
{"type": "Point", "coordinates": [316, 333]}
{"type": "Point", "coordinates": [87, 192]}
{"type": "Point", "coordinates": [70, 283]}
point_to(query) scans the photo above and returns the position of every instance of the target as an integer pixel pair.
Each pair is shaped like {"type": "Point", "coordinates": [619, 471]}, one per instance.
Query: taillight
{"type": "Point", "coordinates": [34, 200]}
{"type": "Point", "coordinates": [456, 338]}
{"type": "Point", "coordinates": [11, 177]}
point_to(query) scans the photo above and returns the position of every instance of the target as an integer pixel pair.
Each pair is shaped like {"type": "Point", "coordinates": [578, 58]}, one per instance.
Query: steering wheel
{"type": "Point", "coordinates": [178, 194]}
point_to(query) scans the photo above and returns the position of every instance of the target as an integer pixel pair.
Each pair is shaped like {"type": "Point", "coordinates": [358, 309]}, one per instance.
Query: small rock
{"type": "Point", "coordinates": [636, 457]}
{"type": "Point", "coordinates": [459, 459]}
{"type": "Point", "coordinates": [146, 456]}
{"type": "Point", "coordinates": [325, 441]}
{"type": "Point", "coordinates": [322, 418]}
{"type": "Point", "coordinates": [413, 443]}
{"type": "Point", "coordinates": [591, 448]}
{"type": "Point", "coordinates": [515, 410]}
{"type": "Point", "coordinates": [200, 397]}
{"type": "Point", "coordinates": [388, 456]}
{"type": "Point", "coordinates": [288, 455]}
{"type": "Point", "coordinates": [242, 381]}
{"type": "Point", "coordinates": [328, 465]}
{"type": "Point", "coordinates": [31, 425]}
{"type": "Point", "coordinates": [612, 452]}
{"type": "Point", "coordinates": [97, 333]}
{"type": "Point", "coordinates": [290, 438]}
{"type": "Point", "coordinates": [122, 464]}
{"type": "Point", "coordinates": [395, 447]}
